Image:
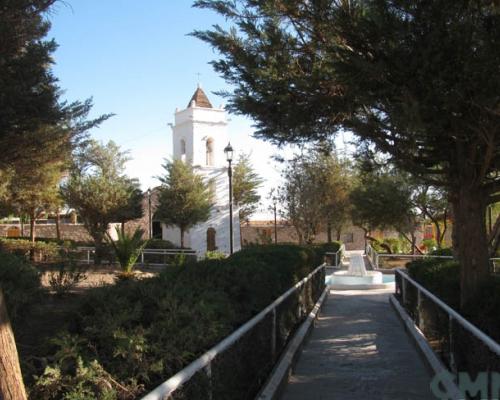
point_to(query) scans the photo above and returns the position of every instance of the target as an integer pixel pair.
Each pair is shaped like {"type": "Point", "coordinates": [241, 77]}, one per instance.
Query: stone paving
{"type": "Point", "coordinates": [359, 350]}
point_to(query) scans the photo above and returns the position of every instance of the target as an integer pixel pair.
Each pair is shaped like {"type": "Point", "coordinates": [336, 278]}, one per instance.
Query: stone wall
{"type": "Point", "coordinates": [75, 232]}
{"type": "Point", "coordinates": [263, 232]}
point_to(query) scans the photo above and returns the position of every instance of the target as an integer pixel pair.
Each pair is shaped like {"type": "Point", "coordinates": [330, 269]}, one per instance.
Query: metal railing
{"type": "Point", "coordinates": [461, 345]}
{"type": "Point", "coordinates": [152, 257]}
{"type": "Point", "coordinates": [337, 256]}
{"type": "Point", "coordinates": [238, 365]}
{"type": "Point", "coordinates": [376, 259]}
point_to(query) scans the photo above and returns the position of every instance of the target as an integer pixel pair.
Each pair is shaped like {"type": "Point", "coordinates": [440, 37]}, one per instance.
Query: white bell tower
{"type": "Point", "coordinates": [200, 132]}
{"type": "Point", "coordinates": [199, 137]}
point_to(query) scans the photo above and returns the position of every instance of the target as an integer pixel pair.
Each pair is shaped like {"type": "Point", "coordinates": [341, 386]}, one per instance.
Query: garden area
{"type": "Point", "coordinates": [117, 341]}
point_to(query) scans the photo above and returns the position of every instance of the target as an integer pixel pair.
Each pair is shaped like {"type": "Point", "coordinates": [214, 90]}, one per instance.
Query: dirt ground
{"type": "Point", "coordinates": [98, 275]}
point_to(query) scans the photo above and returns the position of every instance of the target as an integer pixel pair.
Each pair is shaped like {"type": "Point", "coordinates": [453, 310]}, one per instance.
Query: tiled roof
{"type": "Point", "coordinates": [200, 98]}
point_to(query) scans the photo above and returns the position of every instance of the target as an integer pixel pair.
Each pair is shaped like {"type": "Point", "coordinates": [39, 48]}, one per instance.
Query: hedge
{"type": "Point", "coordinates": [129, 338]}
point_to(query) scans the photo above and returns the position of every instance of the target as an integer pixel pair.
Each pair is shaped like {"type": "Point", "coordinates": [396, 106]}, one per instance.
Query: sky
{"type": "Point", "coordinates": [137, 60]}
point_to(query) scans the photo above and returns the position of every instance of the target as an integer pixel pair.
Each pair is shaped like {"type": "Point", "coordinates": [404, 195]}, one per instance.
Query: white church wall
{"type": "Point", "coordinates": [195, 126]}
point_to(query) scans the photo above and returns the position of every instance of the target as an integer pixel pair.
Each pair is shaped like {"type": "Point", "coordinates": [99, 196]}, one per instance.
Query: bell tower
{"type": "Point", "coordinates": [200, 133]}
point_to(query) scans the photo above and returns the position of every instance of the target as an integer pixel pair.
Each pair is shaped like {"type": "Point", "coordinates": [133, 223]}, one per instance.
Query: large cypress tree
{"type": "Point", "coordinates": [418, 79]}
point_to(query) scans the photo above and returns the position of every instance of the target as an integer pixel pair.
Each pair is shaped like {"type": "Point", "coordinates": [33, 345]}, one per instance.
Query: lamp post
{"type": "Point", "coordinates": [150, 222]}
{"type": "Point", "coordinates": [228, 150]}
{"type": "Point", "coordinates": [275, 221]}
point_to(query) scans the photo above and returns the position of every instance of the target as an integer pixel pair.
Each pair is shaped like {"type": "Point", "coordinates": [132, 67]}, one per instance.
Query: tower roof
{"type": "Point", "coordinates": [200, 98]}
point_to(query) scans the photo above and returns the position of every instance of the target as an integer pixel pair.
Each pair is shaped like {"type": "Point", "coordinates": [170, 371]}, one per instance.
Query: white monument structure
{"type": "Point", "coordinates": [199, 138]}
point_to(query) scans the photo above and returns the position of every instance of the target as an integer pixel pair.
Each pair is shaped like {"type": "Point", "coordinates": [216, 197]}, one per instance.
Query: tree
{"type": "Point", "coordinates": [383, 201]}
{"type": "Point", "coordinates": [30, 110]}
{"type": "Point", "coordinates": [99, 190]}
{"type": "Point", "coordinates": [245, 185]}
{"type": "Point", "coordinates": [434, 206]}
{"type": "Point", "coordinates": [36, 192]}
{"type": "Point", "coordinates": [11, 380]}
{"type": "Point", "coordinates": [418, 79]}
{"type": "Point", "coordinates": [183, 199]}
{"type": "Point", "coordinates": [315, 193]}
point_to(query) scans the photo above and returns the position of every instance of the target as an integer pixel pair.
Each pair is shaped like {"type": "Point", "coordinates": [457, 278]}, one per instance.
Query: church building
{"type": "Point", "coordinates": [199, 137]}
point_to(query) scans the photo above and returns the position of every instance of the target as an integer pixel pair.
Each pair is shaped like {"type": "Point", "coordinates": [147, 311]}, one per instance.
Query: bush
{"type": "Point", "coordinates": [66, 277]}
{"type": "Point", "coordinates": [141, 332]}
{"type": "Point", "coordinates": [440, 277]}
{"type": "Point", "coordinates": [160, 244]}
{"type": "Point", "coordinates": [215, 255]}
{"type": "Point", "coordinates": [20, 283]}
{"type": "Point", "coordinates": [446, 251]}
{"type": "Point", "coordinates": [43, 251]}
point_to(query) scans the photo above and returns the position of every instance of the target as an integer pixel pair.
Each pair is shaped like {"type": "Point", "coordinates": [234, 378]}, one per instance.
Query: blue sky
{"type": "Point", "coordinates": [137, 60]}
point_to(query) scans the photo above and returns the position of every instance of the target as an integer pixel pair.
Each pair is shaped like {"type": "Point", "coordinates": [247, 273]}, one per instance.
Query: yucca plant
{"type": "Point", "coordinates": [128, 249]}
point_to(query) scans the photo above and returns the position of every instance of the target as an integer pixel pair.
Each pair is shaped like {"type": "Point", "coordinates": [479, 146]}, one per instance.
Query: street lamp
{"type": "Point", "coordinates": [275, 201]}
{"type": "Point", "coordinates": [228, 150]}
{"type": "Point", "coordinates": [150, 222]}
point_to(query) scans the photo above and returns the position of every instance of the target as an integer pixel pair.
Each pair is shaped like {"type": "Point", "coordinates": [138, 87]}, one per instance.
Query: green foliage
{"type": "Point", "coordinates": [66, 277]}
{"type": "Point", "coordinates": [184, 198]}
{"type": "Point", "coordinates": [20, 283]}
{"type": "Point", "coordinates": [46, 251]}
{"type": "Point", "coordinates": [246, 182]}
{"type": "Point", "coordinates": [442, 277]}
{"type": "Point", "coordinates": [412, 79]}
{"type": "Point", "coordinates": [128, 248]}
{"type": "Point", "coordinates": [315, 193]}
{"type": "Point", "coordinates": [430, 244]}
{"type": "Point", "coordinates": [215, 255]}
{"type": "Point", "coordinates": [381, 202]}
{"type": "Point", "coordinates": [448, 251]}
{"type": "Point", "coordinates": [140, 332]}
{"type": "Point", "coordinates": [99, 190]}
{"type": "Point", "coordinates": [160, 244]}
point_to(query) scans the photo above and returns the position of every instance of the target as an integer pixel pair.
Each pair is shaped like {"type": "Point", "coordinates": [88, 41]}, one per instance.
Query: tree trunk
{"type": "Point", "coordinates": [339, 232]}
{"type": "Point", "coordinates": [11, 379]}
{"type": "Point", "coordinates": [439, 239]}
{"type": "Point", "coordinates": [182, 238]}
{"type": "Point", "coordinates": [32, 237]}
{"type": "Point", "coordinates": [32, 228]}
{"type": "Point", "coordinates": [58, 225]}
{"type": "Point", "coordinates": [329, 232]}
{"type": "Point", "coordinates": [470, 243]}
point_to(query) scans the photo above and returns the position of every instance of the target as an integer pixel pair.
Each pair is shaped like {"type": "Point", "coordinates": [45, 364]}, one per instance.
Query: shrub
{"type": "Point", "coordinates": [67, 276]}
{"type": "Point", "coordinates": [215, 255]}
{"type": "Point", "coordinates": [440, 277]}
{"type": "Point", "coordinates": [20, 283]}
{"type": "Point", "coordinates": [445, 251]}
{"type": "Point", "coordinates": [43, 251]}
{"type": "Point", "coordinates": [140, 332]}
{"type": "Point", "coordinates": [128, 249]}
{"type": "Point", "coordinates": [160, 244]}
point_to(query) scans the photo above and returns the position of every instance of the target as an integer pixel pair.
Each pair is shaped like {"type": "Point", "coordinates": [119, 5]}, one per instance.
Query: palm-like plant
{"type": "Point", "coordinates": [128, 249]}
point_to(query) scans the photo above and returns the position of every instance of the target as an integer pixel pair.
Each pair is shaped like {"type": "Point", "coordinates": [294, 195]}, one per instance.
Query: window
{"type": "Point", "coordinates": [212, 188]}
{"type": "Point", "coordinates": [210, 151]}
{"type": "Point", "coordinates": [211, 242]}
{"type": "Point", "coordinates": [183, 150]}
{"type": "Point", "coordinates": [157, 231]}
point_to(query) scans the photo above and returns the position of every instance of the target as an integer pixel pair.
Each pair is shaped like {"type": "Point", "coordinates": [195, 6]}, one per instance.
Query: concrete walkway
{"type": "Point", "coordinates": [359, 351]}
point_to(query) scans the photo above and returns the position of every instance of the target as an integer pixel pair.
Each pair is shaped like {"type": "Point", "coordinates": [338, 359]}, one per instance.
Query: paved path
{"type": "Point", "coordinates": [359, 351]}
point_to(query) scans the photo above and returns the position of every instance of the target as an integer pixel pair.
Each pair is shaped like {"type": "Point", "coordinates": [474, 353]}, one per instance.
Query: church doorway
{"type": "Point", "coordinates": [211, 241]}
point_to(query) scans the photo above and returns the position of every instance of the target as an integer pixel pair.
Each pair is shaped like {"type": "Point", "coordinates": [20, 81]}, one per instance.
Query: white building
{"type": "Point", "coordinates": [199, 138]}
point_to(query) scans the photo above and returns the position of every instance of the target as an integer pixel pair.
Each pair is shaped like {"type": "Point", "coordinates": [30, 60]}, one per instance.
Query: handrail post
{"type": "Point", "coordinates": [419, 313]}
{"type": "Point", "coordinates": [273, 335]}
{"type": "Point", "coordinates": [88, 256]}
{"type": "Point", "coordinates": [208, 372]}
{"type": "Point", "coordinates": [142, 258]}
